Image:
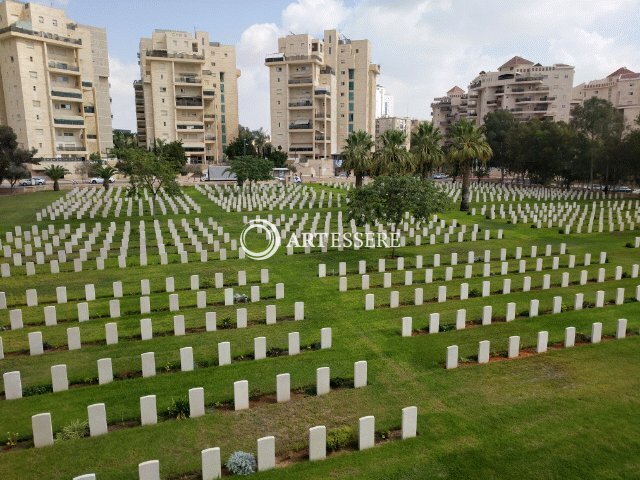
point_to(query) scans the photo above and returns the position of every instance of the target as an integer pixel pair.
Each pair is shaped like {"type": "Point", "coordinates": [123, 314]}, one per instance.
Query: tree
{"type": "Point", "coordinates": [172, 152]}
{"type": "Point", "coordinates": [426, 149]}
{"type": "Point", "coordinates": [105, 172]}
{"type": "Point", "coordinates": [250, 168]}
{"type": "Point", "coordinates": [151, 171]}
{"type": "Point", "coordinates": [497, 126]}
{"type": "Point", "coordinates": [392, 157]}
{"type": "Point", "coordinates": [602, 124]}
{"type": "Point", "coordinates": [243, 145]}
{"type": "Point", "coordinates": [13, 159]}
{"type": "Point", "coordinates": [55, 173]}
{"type": "Point", "coordinates": [467, 145]}
{"type": "Point", "coordinates": [16, 172]}
{"type": "Point", "coordinates": [358, 154]}
{"type": "Point", "coordinates": [387, 199]}
{"type": "Point", "coordinates": [122, 140]}
{"type": "Point", "coordinates": [278, 158]}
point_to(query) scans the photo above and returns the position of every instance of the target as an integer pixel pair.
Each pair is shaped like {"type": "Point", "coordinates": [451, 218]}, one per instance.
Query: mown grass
{"type": "Point", "coordinates": [569, 413]}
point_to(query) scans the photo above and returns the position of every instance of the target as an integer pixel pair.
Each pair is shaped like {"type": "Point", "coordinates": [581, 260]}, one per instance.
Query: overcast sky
{"type": "Point", "coordinates": [424, 46]}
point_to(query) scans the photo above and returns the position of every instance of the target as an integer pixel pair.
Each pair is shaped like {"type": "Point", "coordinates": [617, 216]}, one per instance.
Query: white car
{"type": "Point", "coordinates": [98, 180]}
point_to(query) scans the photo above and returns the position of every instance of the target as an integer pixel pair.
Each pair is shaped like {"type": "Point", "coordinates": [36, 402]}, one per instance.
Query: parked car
{"type": "Point", "coordinates": [439, 176]}
{"type": "Point", "coordinates": [100, 181]}
{"type": "Point", "coordinates": [30, 182]}
{"type": "Point", "coordinates": [622, 188]}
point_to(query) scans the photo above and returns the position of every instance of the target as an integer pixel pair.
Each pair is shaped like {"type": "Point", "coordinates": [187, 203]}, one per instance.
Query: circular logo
{"type": "Point", "coordinates": [273, 237]}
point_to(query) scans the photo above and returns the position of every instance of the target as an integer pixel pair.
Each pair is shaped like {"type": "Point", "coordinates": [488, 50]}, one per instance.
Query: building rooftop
{"type": "Point", "coordinates": [620, 71]}
{"type": "Point", "coordinates": [455, 90]}
{"type": "Point", "coordinates": [516, 61]}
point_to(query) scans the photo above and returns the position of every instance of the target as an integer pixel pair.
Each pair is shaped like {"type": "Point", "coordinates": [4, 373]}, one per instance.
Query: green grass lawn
{"type": "Point", "coordinates": [568, 413]}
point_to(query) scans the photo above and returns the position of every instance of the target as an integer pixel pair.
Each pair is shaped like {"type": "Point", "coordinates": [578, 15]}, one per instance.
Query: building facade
{"type": "Point", "coordinates": [404, 124]}
{"type": "Point", "coordinates": [55, 83]}
{"type": "Point", "coordinates": [188, 91]}
{"type": "Point", "coordinates": [320, 91]}
{"type": "Point", "coordinates": [449, 109]}
{"type": "Point", "coordinates": [384, 103]}
{"type": "Point", "coordinates": [621, 88]}
{"type": "Point", "coordinates": [525, 89]}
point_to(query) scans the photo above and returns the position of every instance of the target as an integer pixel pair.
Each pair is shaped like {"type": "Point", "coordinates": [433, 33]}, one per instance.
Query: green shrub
{"type": "Point", "coordinates": [179, 408]}
{"type": "Point", "coordinates": [339, 438]}
{"type": "Point", "coordinates": [36, 390]}
{"type": "Point", "coordinates": [474, 293]}
{"type": "Point", "coordinates": [73, 431]}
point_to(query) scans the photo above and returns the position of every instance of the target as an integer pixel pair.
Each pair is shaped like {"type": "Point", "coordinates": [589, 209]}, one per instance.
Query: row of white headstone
{"type": "Point", "coordinates": [59, 379]}
{"type": "Point", "coordinates": [418, 297]}
{"type": "Point", "coordinates": [84, 202]}
{"type": "Point", "coordinates": [97, 413]}
{"type": "Point", "coordinates": [267, 197]}
{"type": "Point", "coordinates": [145, 288]}
{"type": "Point", "coordinates": [456, 259]}
{"type": "Point", "coordinates": [511, 313]}
{"type": "Point", "coordinates": [266, 448]}
{"type": "Point", "coordinates": [50, 314]}
{"type": "Point", "coordinates": [36, 345]}
{"type": "Point", "coordinates": [484, 347]}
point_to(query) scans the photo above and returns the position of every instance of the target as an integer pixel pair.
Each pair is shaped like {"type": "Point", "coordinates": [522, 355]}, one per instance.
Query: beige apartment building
{"type": "Point", "coordinates": [55, 83]}
{"type": "Point", "coordinates": [188, 91]}
{"type": "Point", "coordinates": [404, 124]}
{"type": "Point", "coordinates": [526, 89]}
{"type": "Point", "coordinates": [320, 91]}
{"type": "Point", "coordinates": [621, 88]}
{"type": "Point", "coordinates": [449, 109]}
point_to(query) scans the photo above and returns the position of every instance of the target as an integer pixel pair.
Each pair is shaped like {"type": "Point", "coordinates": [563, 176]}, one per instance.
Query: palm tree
{"type": "Point", "coordinates": [467, 145]}
{"type": "Point", "coordinates": [105, 172]}
{"type": "Point", "coordinates": [392, 156]}
{"type": "Point", "coordinates": [358, 154]}
{"type": "Point", "coordinates": [55, 173]}
{"type": "Point", "coordinates": [426, 149]}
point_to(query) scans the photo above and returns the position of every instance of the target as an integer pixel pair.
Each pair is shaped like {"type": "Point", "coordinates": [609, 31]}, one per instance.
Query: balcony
{"type": "Point", "coordinates": [327, 71]}
{"type": "Point", "coordinates": [209, 115]}
{"type": "Point", "coordinates": [190, 127]}
{"type": "Point", "coordinates": [301, 81]}
{"type": "Point", "coordinates": [180, 56]}
{"type": "Point", "coordinates": [45, 35]}
{"type": "Point", "coordinates": [322, 138]}
{"type": "Point", "coordinates": [322, 91]}
{"type": "Point", "coordinates": [475, 84]}
{"type": "Point", "coordinates": [68, 121]}
{"type": "Point", "coordinates": [191, 79]}
{"type": "Point", "coordinates": [293, 148]}
{"type": "Point", "coordinates": [208, 93]}
{"type": "Point", "coordinates": [188, 101]}
{"type": "Point", "coordinates": [523, 99]}
{"type": "Point", "coordinates": [301, 103]}
{"type": "Point", "coordinates": [530, 78]}
{"type": "Point", "coordinates": [58, 93]}
{"type": "Point", "coordinates": [300, 125]}
{"type": "Point", "coordinates": [87, 84]}
{"type": "Point", "coordinates": [274, 57]}
{"type": "Point", "coordinates": [209, 138]}
{"type": "Point", "coordinates": [63, 66]}
{"type": "Point", "coordinates": [323, 115]}
{"type": "Point", "coordinates": [70, 148]}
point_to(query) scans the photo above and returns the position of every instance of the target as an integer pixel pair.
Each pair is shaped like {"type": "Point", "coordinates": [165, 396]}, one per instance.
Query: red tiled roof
{"type": "Point", "coordinates": [455, 89]}
{"type": "Point", "coordinates": [516, 61]}
{"type": "Point", "coordinates": [629, 76]}
{"type": "Point", "coordinates": [620, 71]}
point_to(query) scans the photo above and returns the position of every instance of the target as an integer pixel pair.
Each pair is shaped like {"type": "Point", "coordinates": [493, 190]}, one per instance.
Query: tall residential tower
{"type": "Point", "coordinates": [188, 91]}
{"type": "Point", "coordinates": [320, 91]}
{"type": "Point", "coordinates": [55, 83]}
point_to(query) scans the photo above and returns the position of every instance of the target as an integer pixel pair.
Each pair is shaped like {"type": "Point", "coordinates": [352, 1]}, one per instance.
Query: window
{"type": "Point", "coordinates": [34, 88]}
{"type": "Point", "coordinates": [55, 23]}
{"type": "Point", "coordinates": [92, 137]}
{"type": "Point", "coordinates": [163, 89]}
{"type": "Point", "coordinates": [33, 74]}
{"type": "Point", "coordinates": [41, 19]}
{"type": "Point", "coordinates": [31, 59]}
{"type": "Point", "coordinates": [67, 134]}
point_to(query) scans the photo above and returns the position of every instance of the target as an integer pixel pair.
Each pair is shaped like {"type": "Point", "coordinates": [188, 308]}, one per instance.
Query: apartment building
{"type": "Point", "coordinates": [55, 83]}
{"type": "Point", "coordinates": [384, 102]}
{"type": "Point", "coordinates": [449, 109]}
{"type": "Point", "coordinates": [621, 88]}
{"type": "Point", "coordinates": [404, 124]}
{"type": "Point", "coordinates": [320, 91]}
{"type": "Point", "coordinates": [188, 91]}
{"type": "Point", "coordinates": [526, 89]}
